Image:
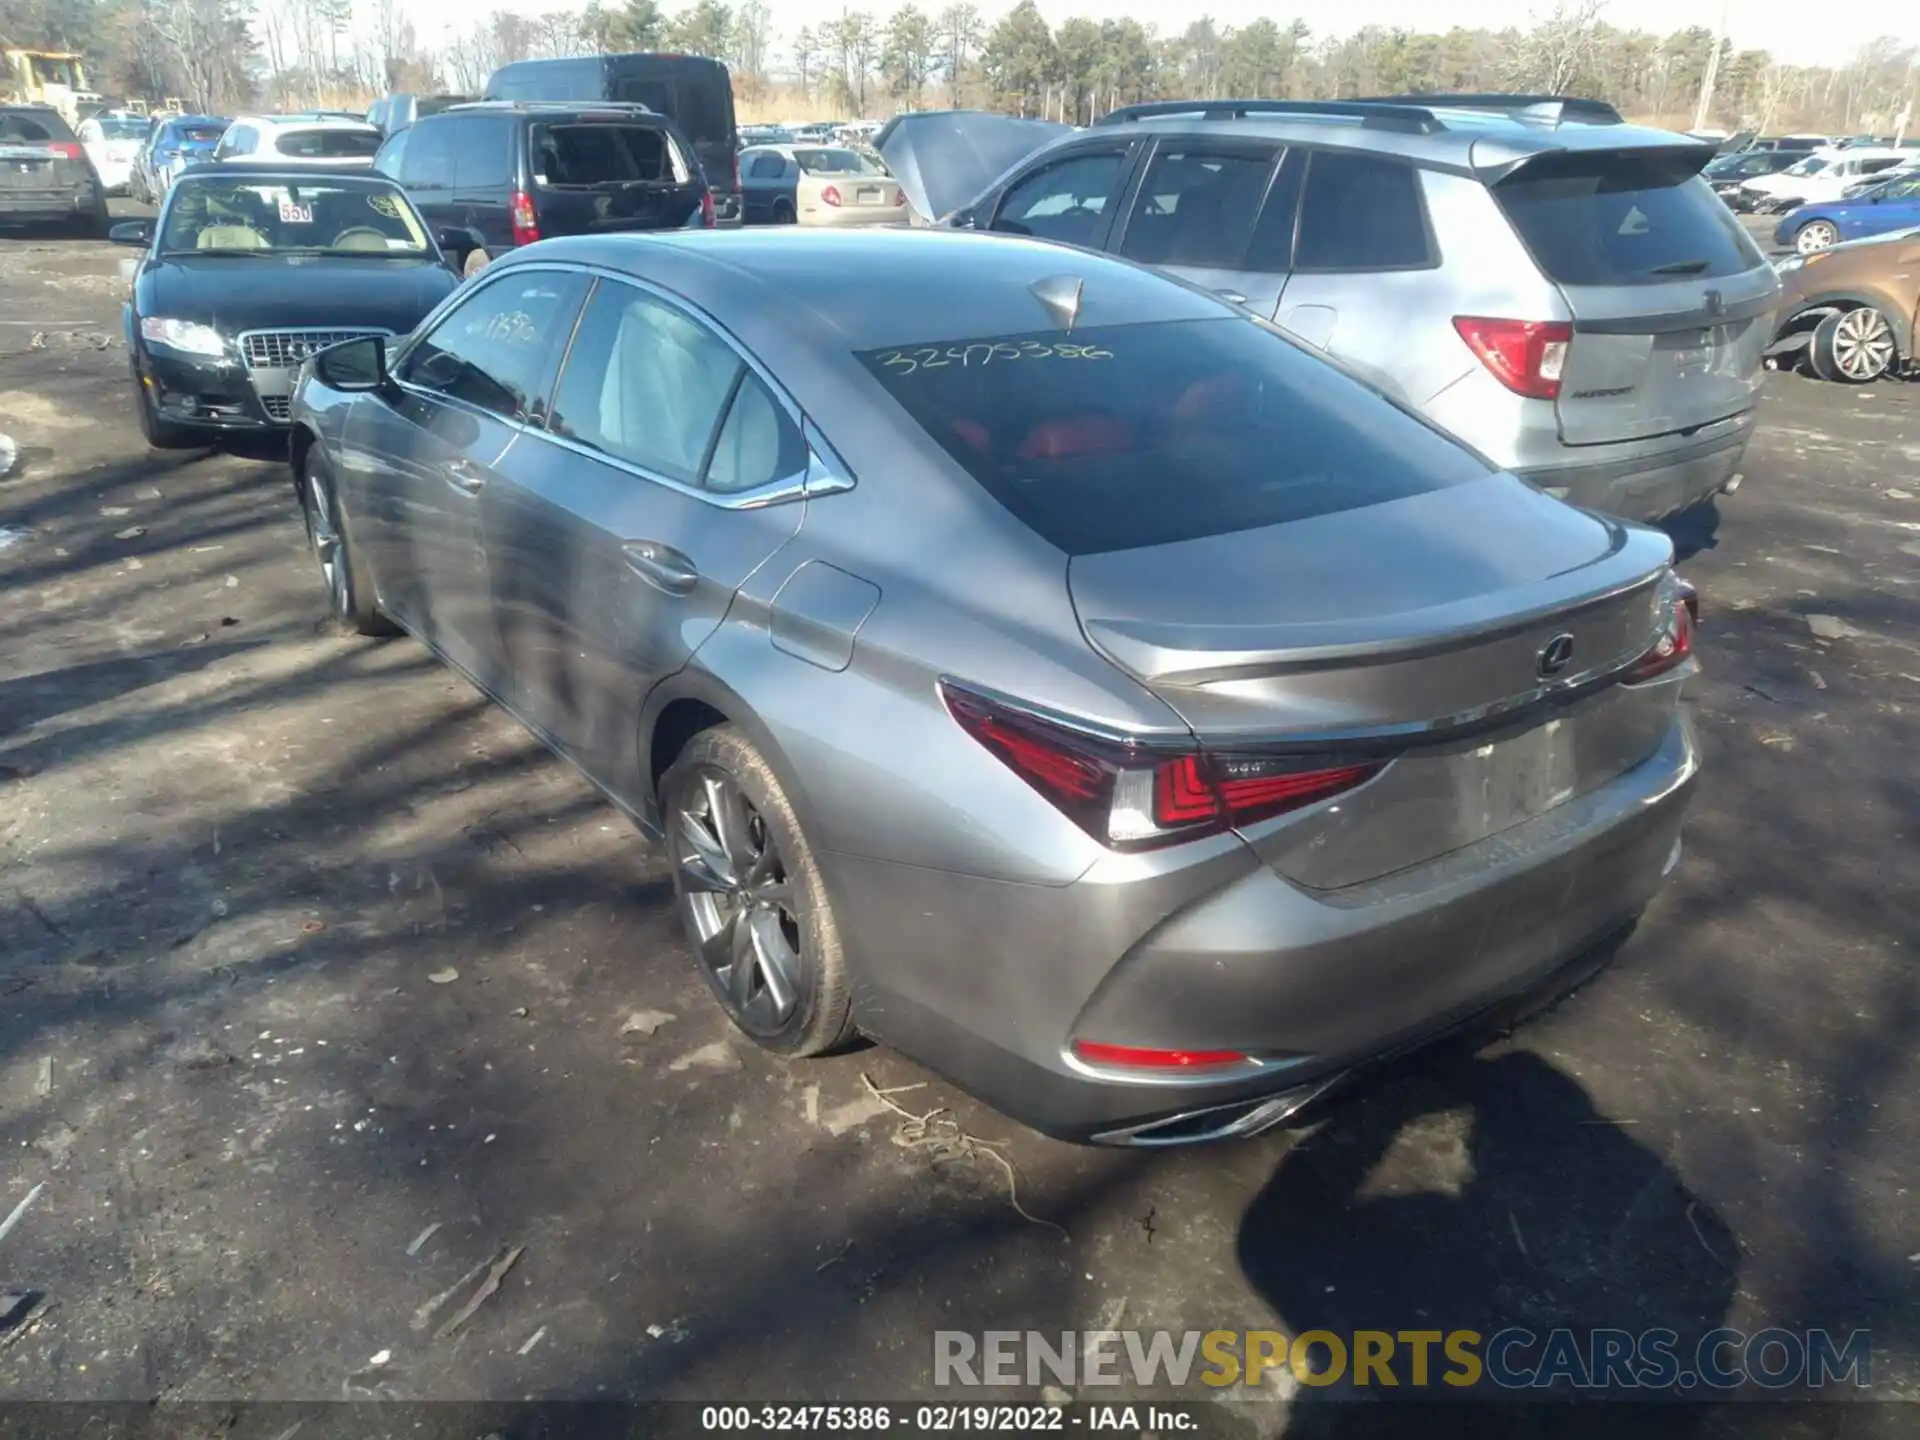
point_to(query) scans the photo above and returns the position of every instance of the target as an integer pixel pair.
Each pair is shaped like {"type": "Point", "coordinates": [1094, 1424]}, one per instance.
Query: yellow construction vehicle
{"type": "Point", "coordinates": [46, 77]}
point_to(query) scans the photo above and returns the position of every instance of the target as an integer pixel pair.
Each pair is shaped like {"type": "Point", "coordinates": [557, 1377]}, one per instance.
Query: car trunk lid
{"type": "Point", "coordinates": [1670, 299]}
{"type": "Point", "coordinates": [1413, 631]}
{"type": "Point", "coordinates": [595, 175]}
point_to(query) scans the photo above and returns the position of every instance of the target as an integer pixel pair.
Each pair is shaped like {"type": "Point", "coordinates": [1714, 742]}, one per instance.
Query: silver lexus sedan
{"type": "Point", "coordinates": [1029, 661]}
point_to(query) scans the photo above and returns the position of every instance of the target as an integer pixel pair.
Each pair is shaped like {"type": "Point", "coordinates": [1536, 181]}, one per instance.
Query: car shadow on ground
{"type": "Point", "coordinates": [1693, 530]}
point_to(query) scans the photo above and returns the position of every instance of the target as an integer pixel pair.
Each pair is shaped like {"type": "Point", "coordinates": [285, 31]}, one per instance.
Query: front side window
{"type": "Point", "coordinates": [495, 349]}
{"type": "Point", "coordinates": [1125, 436]}
{"type": "Point", "coordinates": [1067, 201]}
{"type": "Point", "coordinates": [647, 384]}
{"type": "Point", "coordinates": [1197, 208]}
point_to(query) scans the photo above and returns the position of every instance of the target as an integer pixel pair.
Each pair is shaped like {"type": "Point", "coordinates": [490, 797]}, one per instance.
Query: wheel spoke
{"type": "Point", "coordinates": [745, 955]}
{"type": "Point", "coordinates": [727, 810]}
{"type": "Point", "coordinates": [776, 958]}
{"type": "Point", "coordinates": [717, 950]}
{"type": "Point", "coordinates": [707, 848]}
{"type": "Point", "coordinates": [775, 892]}
{"type": "Point", "coordinates": [697, 873]}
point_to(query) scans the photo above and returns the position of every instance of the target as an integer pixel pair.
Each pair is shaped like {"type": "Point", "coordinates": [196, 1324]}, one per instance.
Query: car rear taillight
{"type": "Point", "coordinates": [1674, 647]}
{"type": "Point", "coordinates": [67, 150]}
{"type": "Point", "coordinates": [1132, 1057]}
{"type": "Point", "coordinates": [1526, 356]}
{"type": "Point", "coordinates": [1132, 798]}
{"type": "Point", "coordinates": [709, 218]}
{"type": "Point", "coordinates": [899, 196]}
{"type": "Point", "coordinates": [830, 195]}
{"type": "Point", "coordinates": [526, 225]}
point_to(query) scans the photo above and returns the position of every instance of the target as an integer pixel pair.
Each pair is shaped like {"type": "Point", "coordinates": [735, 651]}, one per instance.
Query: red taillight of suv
{"type": "Point", "coordinates": [67, 150]}
{"type": "Point", "coordinates": [830, 195]}
{"type": "Point", "coordinates": [1133, 798]}
{"type": "Point", "coordinates": [1526, 356]}
{"type": "Point", "coordinates": [709, 217]}
{"type": "Point", "coordinates": [526, 226]}
{"type": "Point", "coordinates": [1674, 647]}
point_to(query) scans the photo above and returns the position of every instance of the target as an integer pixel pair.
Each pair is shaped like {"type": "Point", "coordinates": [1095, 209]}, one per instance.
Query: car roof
{"type": "Point", "coordinates": [549, 107]}
{"type": "Point", "coordinates": [861, 290]}
{"type": "Point", "coordinates": [305, 122]}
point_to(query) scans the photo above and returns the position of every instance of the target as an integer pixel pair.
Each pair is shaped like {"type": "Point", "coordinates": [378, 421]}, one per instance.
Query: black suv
{"type": "Point", "coordinates": [508, 174]}
{"type": "Point", "coordinates": [45, 175]}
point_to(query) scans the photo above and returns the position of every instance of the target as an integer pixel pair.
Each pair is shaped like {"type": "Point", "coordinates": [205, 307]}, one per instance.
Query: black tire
{"type": "Point", "coordinates": [1853, 347]}
{"type": "Point", "coordinates": [819, 1019]}
{"type": "Point", "coordinates": [350, 601]}
{"type": "Point", "coordinates": [162, 434]}
{"type": "Point", "coordinates": [476, 261]}
{"type": "Point", "coordinates": [783, 212]}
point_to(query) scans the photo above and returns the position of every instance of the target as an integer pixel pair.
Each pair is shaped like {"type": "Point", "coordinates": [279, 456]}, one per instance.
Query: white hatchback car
{"type": "Point", "coordinates": [1824, 175]}
{"type": "Point", "coordinates": [112, 140]}
{"type": "Point", "coordinates": [300, 140]}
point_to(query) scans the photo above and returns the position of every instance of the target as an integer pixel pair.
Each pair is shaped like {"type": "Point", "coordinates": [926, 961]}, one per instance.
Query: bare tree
{"type": "Point", "coordinates": [1557, 55]}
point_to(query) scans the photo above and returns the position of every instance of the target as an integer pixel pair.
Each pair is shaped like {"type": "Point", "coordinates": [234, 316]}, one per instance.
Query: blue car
{"type": "Point", "coordinates": [1894, 205]}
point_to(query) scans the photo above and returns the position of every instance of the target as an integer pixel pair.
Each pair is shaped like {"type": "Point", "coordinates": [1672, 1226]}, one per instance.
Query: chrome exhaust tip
{"type": "Point", "coordinates": [1240, 1120]}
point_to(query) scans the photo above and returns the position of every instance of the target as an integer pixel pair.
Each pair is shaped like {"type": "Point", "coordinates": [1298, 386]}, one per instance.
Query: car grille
{"type": "Point", "coordinates": [278, 407]}
{"type": "Point", "coordinates": [286, 349]}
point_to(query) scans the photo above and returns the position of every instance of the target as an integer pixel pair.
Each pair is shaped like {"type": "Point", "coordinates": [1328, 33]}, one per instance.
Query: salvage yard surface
{"type": "Point", "coordinates": [353, 1045]}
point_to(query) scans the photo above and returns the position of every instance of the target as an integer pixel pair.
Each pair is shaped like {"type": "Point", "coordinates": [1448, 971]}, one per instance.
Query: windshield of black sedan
{"type": "Point", "coordinates": [1130, 435]}
{"type": "Point", "coordinates": [291, 217]}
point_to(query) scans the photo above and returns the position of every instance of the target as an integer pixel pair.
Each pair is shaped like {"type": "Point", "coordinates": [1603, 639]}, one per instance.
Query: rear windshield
{"type": "Point", "coordinates": [600, 153]}
{"type": "Point", "coordinates": [124, 127]}
{"type": "Point", "coordinates": [1123, 436]}
{"type": "Point", "coordinates": [836, 162]}
{"type": "Point", "coordinates": [35, 126]}
{"type": "Point", "coordinates": [1623, 220]}
{"type": "Point", "coordinates": [198, 134]}
{"type": "Point", "coordinates": [329, 144]}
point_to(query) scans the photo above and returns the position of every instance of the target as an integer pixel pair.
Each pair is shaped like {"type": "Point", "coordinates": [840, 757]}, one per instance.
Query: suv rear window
{"type": "Point", "coordinates": [600, 153]}
{"type": "Point", "coordinates": [1123, 436]}
{"type": "Point", "coordinates": [328, 144]}
{"type": "Point", "coordinates": [34, 126]}
{"type": "Point", "coordinates": [1623, 220]}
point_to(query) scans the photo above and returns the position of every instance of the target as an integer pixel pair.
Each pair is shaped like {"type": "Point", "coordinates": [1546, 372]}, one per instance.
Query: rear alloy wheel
{"type": "Point", "coordinates": [1815, 236]}
{"type": "Point", "coordinates": [476, 261]}
{"type": "Point", "coordinates": [349, 589]}
{"type": "Point", "coordinates": [1854, 347]}
{"type": "Point", "coordinates": [751, 897]}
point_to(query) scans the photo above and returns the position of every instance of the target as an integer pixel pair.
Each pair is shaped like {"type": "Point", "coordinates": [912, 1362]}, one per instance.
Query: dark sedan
{"type": "Point", "coordinates": [248, 271]}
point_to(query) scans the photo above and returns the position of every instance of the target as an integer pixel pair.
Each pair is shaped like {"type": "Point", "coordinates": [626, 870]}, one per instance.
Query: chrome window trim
{"type": "Point", "coordinates": [826, 472]}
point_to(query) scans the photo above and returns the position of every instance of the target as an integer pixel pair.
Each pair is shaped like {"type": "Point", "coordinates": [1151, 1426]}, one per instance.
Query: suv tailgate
{"type": "Point", "coordinates": [1671, 299]}
{"type": "Point", "coordinates": [40, 161]}
{"type": "Point", "coordinates": [594, 174]}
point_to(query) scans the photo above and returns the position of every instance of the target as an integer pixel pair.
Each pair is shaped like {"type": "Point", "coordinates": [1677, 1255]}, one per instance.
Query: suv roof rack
{"type": "Point", "coordinates": [1411, 114]}
{"type": "Point", "coordinates": [633, 106]}
{"type": "Point", "coordinates": [1552, 109]}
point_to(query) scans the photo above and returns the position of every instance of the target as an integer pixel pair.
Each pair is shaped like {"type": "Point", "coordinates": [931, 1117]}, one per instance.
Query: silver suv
{"type": "Point", "coordinates": [1556, 287]}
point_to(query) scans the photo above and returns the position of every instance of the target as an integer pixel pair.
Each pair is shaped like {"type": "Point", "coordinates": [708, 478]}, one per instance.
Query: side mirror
{"type": "Point", "coordinates": [354, 366]}
{"type": "Point", "coordinates": [132, 232]}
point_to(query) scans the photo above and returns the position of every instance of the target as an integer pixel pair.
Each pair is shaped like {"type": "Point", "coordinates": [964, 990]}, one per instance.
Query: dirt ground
{"type": "Point", "coordinates": [321, 984]}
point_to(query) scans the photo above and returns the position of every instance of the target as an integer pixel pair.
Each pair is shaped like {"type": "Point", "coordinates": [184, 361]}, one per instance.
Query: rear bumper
{"type": "Point", "coordinates": [991, 989]}
{"type": "Point", "coordinates": [1648, 487]}
{"type": "Point", "coordinates": [853, 217]}
{"type": "Point", "coordinates": [23, 206]}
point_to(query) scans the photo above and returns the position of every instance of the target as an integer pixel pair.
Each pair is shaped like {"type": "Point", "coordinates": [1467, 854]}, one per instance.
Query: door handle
{"type": "Point", "coordinates": [464, 477]}
{"type": "Point", "coordinates": [661, 566]}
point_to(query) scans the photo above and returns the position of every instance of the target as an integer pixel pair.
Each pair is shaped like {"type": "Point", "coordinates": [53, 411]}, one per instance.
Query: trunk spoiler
{"type": "Point", "coordinates": [1578, 152]}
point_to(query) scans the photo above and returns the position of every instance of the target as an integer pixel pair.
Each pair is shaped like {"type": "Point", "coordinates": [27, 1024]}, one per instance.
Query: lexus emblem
{"type": "Point", "coordinates": [1716, 304]}
{"type": "Point", "coordinates": [1555, 656]}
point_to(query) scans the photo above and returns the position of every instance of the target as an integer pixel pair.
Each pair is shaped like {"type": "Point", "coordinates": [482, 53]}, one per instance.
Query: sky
{"type": "Point", "coordinates": [1811, 35]}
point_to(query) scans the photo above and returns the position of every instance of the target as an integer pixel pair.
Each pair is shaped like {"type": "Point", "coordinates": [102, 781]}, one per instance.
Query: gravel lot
{"type": "Point", "coordinates": [322, 984]}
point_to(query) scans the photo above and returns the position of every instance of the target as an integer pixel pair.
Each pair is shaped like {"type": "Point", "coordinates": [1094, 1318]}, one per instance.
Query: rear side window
{"type": "Point", "coordinates": [768, 167]}
{"type": "Point", "coordinates": [1123, 436]}
{"type": "Point", "coordinates": [36, 128]}
{"type": "Point", "coordinates": [1623, 220]}
{"type": "Point", "coordinates": [427, 159]}
{"type": "Point", "coordinates": [1359, 212]}
{"type": "Point", "coordinates": [1197, 208]}
{"type": "Point", "coordinates": [328, 144]}
{"type": "Point", "coordinates": [484, 159]}
{"type": "Point", "coordinates": [600, 154]}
